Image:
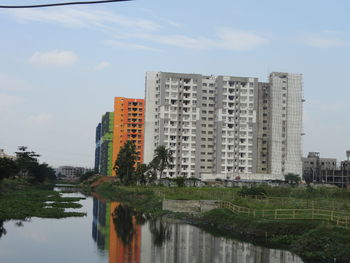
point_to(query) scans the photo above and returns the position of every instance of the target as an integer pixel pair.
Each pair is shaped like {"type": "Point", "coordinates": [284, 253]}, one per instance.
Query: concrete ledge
{"type": "Point", "coordinates": [189, 206]}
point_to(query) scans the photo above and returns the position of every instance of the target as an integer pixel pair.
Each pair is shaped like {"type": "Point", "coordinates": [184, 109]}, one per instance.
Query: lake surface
{"type": "Point", "coordinates": [112, 232]}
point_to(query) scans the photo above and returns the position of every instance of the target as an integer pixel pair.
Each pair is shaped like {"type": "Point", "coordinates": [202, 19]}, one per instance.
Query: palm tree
{"type": "Point", "coordinates": [162, 158]}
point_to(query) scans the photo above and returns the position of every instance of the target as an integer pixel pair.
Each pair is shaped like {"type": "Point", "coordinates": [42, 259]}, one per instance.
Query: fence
{"type": "Point", "coordinates": [338, 218]}
{"type": "Point", "coordinates": [300, 203]}
{"type": "Point", "coordinates": [195, 194]}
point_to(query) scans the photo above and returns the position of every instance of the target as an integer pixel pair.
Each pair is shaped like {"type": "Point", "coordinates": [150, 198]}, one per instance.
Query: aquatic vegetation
{"type": "Point", "coordinates": [24, 201]}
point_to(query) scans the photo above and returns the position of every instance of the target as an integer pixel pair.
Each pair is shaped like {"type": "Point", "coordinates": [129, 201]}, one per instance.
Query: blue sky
{"type": "Point", "coordinates": [61, 67]}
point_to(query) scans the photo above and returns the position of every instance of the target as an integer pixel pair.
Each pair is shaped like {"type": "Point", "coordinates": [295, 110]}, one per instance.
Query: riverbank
{"type": "Point", "coordinates": [314, 241]}
{"type": "Point", "coordinates": [20, 200]}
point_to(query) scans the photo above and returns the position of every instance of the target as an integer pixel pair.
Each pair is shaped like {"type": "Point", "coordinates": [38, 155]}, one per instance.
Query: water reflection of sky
{"type": "Point", "coordinates": [52, 240]}
{"type": "Point", "coordinates": [109, 233]}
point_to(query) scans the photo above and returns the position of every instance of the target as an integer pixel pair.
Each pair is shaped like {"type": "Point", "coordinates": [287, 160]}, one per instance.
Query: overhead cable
{"type": "Point", "coordinates": [62, 4]}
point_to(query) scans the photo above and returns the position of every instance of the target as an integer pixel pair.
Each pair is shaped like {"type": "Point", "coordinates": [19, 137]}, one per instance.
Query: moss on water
{"type": "Point", "coordinates": [20, 201]}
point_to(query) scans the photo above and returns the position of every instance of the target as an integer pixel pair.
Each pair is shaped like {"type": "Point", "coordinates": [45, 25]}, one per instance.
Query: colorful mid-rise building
{"type": "Point", "coordinates": [129, 121]}
{"type": "Point", "coordinates": [98, 148]}
{"type": "Point", "coordinates": [106, 152]}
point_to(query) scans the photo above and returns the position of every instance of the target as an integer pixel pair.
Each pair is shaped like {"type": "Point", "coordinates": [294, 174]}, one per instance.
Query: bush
{"type": "Point", "coordinates": [252, 191]}
{"type": "Point", "coordinates": [180, 181]}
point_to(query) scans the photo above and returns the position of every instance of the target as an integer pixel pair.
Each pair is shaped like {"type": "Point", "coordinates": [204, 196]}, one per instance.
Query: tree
{"type": "Point", "coordinates": [28, 165]}
{"type": "Point", "coordinates": [140, 173]}
{"type": "Point", "coordinates": [162, 158]}
{"type": "Point", "coordinates": [308, 178]}
{"type": "Point", "coordinates": [125, 163]}
{"type": "Point", "coordinates": [8, 168]}
{"type": "Point", "coordinates": [292, 179]}
{"type": "Point", "coordinates": [41, 172]}
{"type": "Point", "coordinates": [26, 160]}
{"type": "Point", "coordinates": [86, 176]}
{"type": "Point", "coordinates": [151, 173]}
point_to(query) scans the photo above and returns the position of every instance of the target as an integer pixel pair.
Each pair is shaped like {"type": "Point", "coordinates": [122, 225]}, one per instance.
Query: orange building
{"type": "Point", "coordinates": [129, 120]}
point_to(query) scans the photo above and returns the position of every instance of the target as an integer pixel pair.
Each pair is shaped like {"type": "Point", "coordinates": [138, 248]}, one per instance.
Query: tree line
{"type": "Point", "coordinates": [130, 173]}
{"type": "Point", "coordinates": [26, 165]}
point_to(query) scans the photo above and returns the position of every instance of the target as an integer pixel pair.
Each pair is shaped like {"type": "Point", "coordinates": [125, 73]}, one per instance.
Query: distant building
{"type": "Point", "coordinates": [98, 148]}
{"type": "Point", "coordinates": [106, 152]}
{"type": "Point", "coordinates": [4, 155]}
{"type": "Point", "coordinates": [313, 162]}
{"type": "Point", "coordinates": [317, 169]}
{"type": "Point", "coordinates": [345, 165]}
{"type": "Point", "coordinates": [71, 171]}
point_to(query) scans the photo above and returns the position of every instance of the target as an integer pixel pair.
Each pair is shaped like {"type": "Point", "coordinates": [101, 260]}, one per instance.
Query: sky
{"type": "Point", "coordinates": [61, 67]}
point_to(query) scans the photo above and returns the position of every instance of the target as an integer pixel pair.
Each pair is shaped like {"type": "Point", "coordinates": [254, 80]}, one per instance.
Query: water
{"type": "Point", "coordinates": [114, 233]}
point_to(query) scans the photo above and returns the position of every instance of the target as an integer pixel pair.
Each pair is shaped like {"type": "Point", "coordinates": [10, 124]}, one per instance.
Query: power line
{"type": "Point", "coordinates": [61, 4]}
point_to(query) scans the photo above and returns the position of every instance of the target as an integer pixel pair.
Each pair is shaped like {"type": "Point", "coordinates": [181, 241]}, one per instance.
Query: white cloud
{"type": "Point", "coordinates": [40, 119]}
{"type": "Point", "coordinates": [83, 17]}
{"type": "Point", "coordinates": [239, 39]}
{"type": "Point", "coordinates": [56, 57]}
{"type": "Point", "coordinates": [102, 65]}
{"type": "Point", "coordinates": [130, 32]}
{"type": "Point", "coordinates": [8, 101]}
{"type": "Point", "coordinates": [129, 45]}
{"type": "Point", "coordinates": [322, 42]}
{"type": "Point", "coordinates": [226, 38]}
{"type": "Point", "coordinates": [325, 39]}
{"type": "Point", "coordinates": [12, 83]}
{"type": "Point", "coordinates": [181, 41]}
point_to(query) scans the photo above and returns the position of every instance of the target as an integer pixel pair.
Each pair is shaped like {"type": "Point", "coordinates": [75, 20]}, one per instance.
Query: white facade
{"type": "Point", "coordinates": [72, 171]}
{"type": "Point", "coordinates": [4, 155]}
{"type": "Point", "coordinates": [223, 125]}
{"type": "Point", "coordinates": [286, 124]}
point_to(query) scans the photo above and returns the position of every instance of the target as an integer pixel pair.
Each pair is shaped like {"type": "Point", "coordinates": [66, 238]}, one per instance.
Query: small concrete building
{"type": "Point", "coordinates": [314, 162]}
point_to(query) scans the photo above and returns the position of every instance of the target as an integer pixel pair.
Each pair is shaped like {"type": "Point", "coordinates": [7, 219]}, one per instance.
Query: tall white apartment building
{"type": "Point", "coordinates": [223, 126]}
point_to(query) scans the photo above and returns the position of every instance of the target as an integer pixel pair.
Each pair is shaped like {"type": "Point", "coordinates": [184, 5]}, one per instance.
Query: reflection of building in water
{"type": "Point", "coordinates": [100, 223]}
{"type": "Point", "coordinates": [189, 244]}
{"type": "Point", "coordinates": [118, 251]}
{"type": "Point", "coordinates": [178, 244]}
{"type": "Point", "coordinates": [106, 237]}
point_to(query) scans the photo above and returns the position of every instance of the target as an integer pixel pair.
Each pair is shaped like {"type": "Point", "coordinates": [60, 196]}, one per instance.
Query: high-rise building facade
{"type": "Point", "coordinates": [285, 123]}
{"type": "Point", "coordinates": [225, 126]}
{"type": "Point", "coordinates": [128, 125]}
{"type": "Point", "coordinates": [106, 153]}
{"type": "Point", "coordinates": [98, 148]}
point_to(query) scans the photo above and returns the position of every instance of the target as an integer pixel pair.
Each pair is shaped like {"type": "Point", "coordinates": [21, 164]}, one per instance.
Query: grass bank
{"type": "Point", "coordinates": [314, 241]}
{"type": "Point", "coordinates": [20, 200]}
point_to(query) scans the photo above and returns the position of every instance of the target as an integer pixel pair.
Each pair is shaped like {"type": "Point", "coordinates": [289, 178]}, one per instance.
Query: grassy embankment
{"type": "Point", "coordinates": [20, 200]}
{"type": "Point", "coordinates": [313, 240]}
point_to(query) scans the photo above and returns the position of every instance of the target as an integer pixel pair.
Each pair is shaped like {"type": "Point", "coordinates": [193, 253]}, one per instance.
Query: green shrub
{"type": "Point", "coordinates": [252, 191]}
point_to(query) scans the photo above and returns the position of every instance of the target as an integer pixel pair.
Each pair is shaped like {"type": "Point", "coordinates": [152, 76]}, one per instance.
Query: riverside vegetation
{"type": "Point", "coordinates": [27, 189]}
{"type": "Point", "coordinates": [313, 240]}
{"type": "Point", "coordinates": [20, 200]}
